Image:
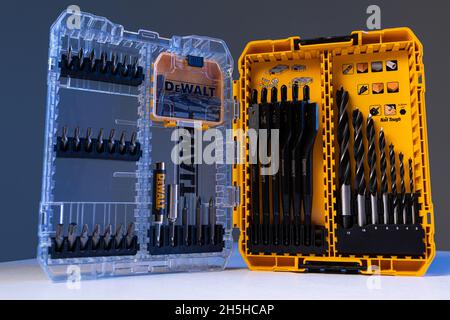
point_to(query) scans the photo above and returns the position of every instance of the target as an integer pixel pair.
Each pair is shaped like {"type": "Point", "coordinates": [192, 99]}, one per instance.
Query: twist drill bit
{"type": "Point", "coordinates": [124, 66]}
{"type": "Point", "coordinates": [135, 63]}
{"type": "Point", "coordinates": [118, 236]}
{"type": "Point", "coordinates": [384, 179]}
{"type": "Point", "coordinates": [95, 236]}
{"type": "Point", "coordinates": [198, 220]}
{"type": "Point", "coordinates": [122, 144]}
{"type": "Point", "coordinates": [403, 187]}
{"type": "Point", "coordinates": [360, 183]}
{"type": "Point", "coordinates": [100, 141]}
{"type": "Point", "coordinates": [80, 58]}
{"type": "Point", "coordinates": [343, 137]}
{"type": "Point", "coordinates": [107, 236]}
{"type": "Point", "coordinates": [133, 143]}
{"type": "Point", "coordinates": [393, 182]}
{"type": "Point", "coordinates": [111, 142]}
{"type": "Point", "coordinates": [411, 190]}
{"type": "Point", "coordinates": [84, 236]}
{"type": "Point", "coordinates": [114, 63]}
{"type": "Point", "coordinates": [59, 237]}
{"type": "Point", "coordinates": [103, 58]}
{"type": "Point", "coordinates": [130, 234]}
{"type": "Point", "coordinates": [372, 160]}
{"type": "Point", "coordinates": [69, 56]}
{"type": "Point", "coordinates": [72, 235]}
{"type": "Point", "coordinates": [212, 220]}
{"type": "Point", "coordinates": [92, 59]}
{"type": "Point", "coordinates": [185, 217]}
{"type": "Point", "coordinates": [76, 139]}
{"type": "Point", "coordinates": [64, 139]}
{"type": "Point", "coordinates": [88, 140]}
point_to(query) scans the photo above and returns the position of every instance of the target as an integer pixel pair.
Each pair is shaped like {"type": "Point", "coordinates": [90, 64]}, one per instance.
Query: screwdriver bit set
{"type": "Point", "coordinates": [360, 200]}
{"type": "Point", "coordinates": [114, 201]}
{"type": "Point", "coordinates": [323, 166]}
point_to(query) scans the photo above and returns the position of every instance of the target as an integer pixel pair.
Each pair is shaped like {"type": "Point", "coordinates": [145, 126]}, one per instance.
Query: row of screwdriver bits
{"type": "Point", "coordinates": [97, 148]}
{"type": "Point", "coordinates": [104, 68]}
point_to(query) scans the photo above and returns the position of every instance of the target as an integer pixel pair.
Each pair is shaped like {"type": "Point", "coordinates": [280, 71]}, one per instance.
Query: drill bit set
{"type": "Point", "coordinates": [368, 206]}
{"type": "Point", "coordinates": [173, 233]}
{"type": "Point", "coordinates": [85, 243]}
{"type": "Point", "coordinates": [101, 147]}
{"type": "Point", "coordinates": [281, 202]}
{"type": "Point", "coordinates": [105, 68]}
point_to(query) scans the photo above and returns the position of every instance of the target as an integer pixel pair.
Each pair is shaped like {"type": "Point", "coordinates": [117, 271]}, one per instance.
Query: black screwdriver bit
{"type": "Point", "coordinates": [100, 141]}
{"type": "Point", "coordinates": [124, 66]}
{"type": "Point", "coordinates": [84, 236]}
{"type": "Point", "coordinates": [118, 236]}
{"type": "Point", "coordinates": [111, 142]}
{"type": "Point", "coordinates": [80, 58]}
{"type": "Point", "coordinates": [393, 183]}
{"type": "Point", "coordinates": [384, 179]}
{"type": "Point", "coordinates": [360, 183]}
{"type": "Point", "coordinates": [122, 144]}
{"type": "Point", "coordinates": [372, 161]}
{"type": "Point", "coordinates": [88, 140]}
{"type": "Point", "coordinates": [411, 190]}
{"type": "Point", "coordinates": [64, 139]}
{"type": "Point", "coordinates": [76, 139]}
{"type": "Point", "coordinates": [59, 236]}
{"type": "Point", "coordinates": [343, 136]}
{"type": "Point", "coordinates": [72, 235]}
{"type": "Point", "coordinates": [103, 58]}
{"type": "Point", "coordinates": [403, 187]}
{"type": "Point", "coordinates": [133, 143]}
{"type": "Point", "coordinates": [107, 236]}
{"type": "Point", "coordinates": [92, 59]}
{"type": "Point", "coordinates": [95, 236]}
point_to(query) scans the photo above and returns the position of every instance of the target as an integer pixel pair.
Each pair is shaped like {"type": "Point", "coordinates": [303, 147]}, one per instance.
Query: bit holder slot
{"type": "Point", "coordinates": [120, 73]}
{"type": "Point", "coordinates": [102, 249]}
{"type": "Point", "coordinates": [192, 246]}
{"type": "Point", "coordinates": [93, 153]}
{"type": "Point", "coordinates": [292, 240]}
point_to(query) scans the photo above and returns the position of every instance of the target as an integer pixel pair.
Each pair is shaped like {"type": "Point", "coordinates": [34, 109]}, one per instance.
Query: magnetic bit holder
{"type": "Point", "coordinates": [93, 153]}
{"type": "Point", "coordinates": [181, 247]}
{"type": "Point", "coordinates": [102, 249]}
{"type": "Point", "coordinates": [293, 240]}
{"type": "Point", "coordinates": [125, 74]}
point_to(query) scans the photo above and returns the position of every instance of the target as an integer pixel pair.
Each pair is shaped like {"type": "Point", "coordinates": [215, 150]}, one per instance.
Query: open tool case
{"type": "Point", "coordinates": [113, 201]}
{"type": "Point", "coordinates": [368, 169]}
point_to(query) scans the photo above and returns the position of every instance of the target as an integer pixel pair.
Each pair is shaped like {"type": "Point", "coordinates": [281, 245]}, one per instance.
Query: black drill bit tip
{"type": "Point", "coordinates": [274, 95]}
{"type": "Point", "coordinates": [306, 93]}
{"type": "Point", "coordinates": [264, 95]}
{"type": "Point", "coordinates": [359, 152]}
{"type": "Point", "coordinates": [295, 92]}
{"type": "Point", "coordinates": [284, 93]}
{"type": "Point", "coordinates": [372, 155]}
{"type": "Point", "coordinates": [254, 97]}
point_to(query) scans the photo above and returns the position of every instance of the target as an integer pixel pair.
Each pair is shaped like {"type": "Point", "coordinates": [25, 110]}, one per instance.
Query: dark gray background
{"type": "Point", "coordinates": [25, 27]}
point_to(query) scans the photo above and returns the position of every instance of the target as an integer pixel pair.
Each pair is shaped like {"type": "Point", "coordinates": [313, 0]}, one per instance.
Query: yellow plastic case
{"type": "Point", "coordinates": [327, 63]}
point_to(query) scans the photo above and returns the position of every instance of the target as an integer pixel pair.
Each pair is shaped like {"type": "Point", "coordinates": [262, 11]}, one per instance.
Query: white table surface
{"type": "Point", "coordinates": [26, 280]}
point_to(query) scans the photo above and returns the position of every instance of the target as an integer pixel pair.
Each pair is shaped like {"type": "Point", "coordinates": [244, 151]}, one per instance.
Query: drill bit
{"type": "Point", "coordinates": [343, 137]}
{"type": "Point", "coordinates": [173, 211]}
{"type": "Point", "coordinates": [80, 58]}
{"type": "Point", "coordinates": [212, 219]}
{"type": "Point", "coordinates": [118, 236]}
{"type": "Point", "coordinates": [384, 179]}
{"type": "Point", "coordinates": [92, 58]}
{"type": "Point", "coordinates": [88, 140]}
{"type": "Point", "coordinates": [103, 58]}
{"type": "Point", "coordinates": [72, 235]}
{"type": "Point", "coordinates": [372, 160]}
{"type": "Point", "coordinates": [64, 139]}
{"type": "Point", "coordinates": [76, 139]}
{"type": "Point", "coordinates": [100, 141]}
{"type": "Point", "coordinates": [69, 57]}
{"type": "Point", "coordinates": [135, 69]}
{"type": "Point", "coordinates": [59, 237]}
{"type": "Point", "coordinates": [111, 142]}
{"type": "Point", "coordinates": [198, 220]}
{"type": "Point", "coordinates": [403, 187]}
{"type": "Point", "coordinates": [275, 125]}
{"type": "Point", "coordinates": [133, 143]}
{"type": "Point", "coordinates": [130, 234]}
{"type": "Point", "coordinates": [124, 66]}
{"type": "Point", "coordinates": [360, 183]}
{"type": "Point", "coordinates": [84, 237]}
{"type": "Point", "coordinates": [95, 236]}
{"type": "Point", "coordinates": [107, 236]}
{"type": "Point", "coordinates": [411, 190]}
{"type": "Point", "coordinates": [122, 143]}
{"type": "Point", "coordinates": [114, 63]}
{"type": "Point", "coordinates": [393, 183]}
{"type": "Point", "coordinates": [185, 221]}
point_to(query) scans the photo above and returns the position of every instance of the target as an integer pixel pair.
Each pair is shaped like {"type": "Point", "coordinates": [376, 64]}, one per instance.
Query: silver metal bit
{"type": "Point", "coordinates": [372, 161]}
{"type": "Point", "coordinates": [124, 65]}
{"type": "Point", "coordinates": [411, 190]}
{"type": "Point", "coordinates": [92, 58]}
{"type": "Point", "coordinates": [118, 235]}
{"type": "Point", "coordinates": [72, 235]}
{"type": "Point", "coordinates": [185, 217]}
{"type": "Point", "coordinates": [393, 182]}
{"type": "Point", "coordinates": [403, 188]}
{"type": "Point", "coordinates": [360, 183]}
{"type": "Point", "coordinates": [88, 141]}
{"type": "Point", "coordinates": [100, 141]}
{"type": "Point", "coordinates": [103, 58]}
{"type": "Point", "coordinates": [133, 143]}
{"type": "Point", "coordinates": [198, 220]}
{"type": "Point", "coordinates": [122, 144]}
{"type": "Point", "coordinates": [173, 211]}
{"type": "Point", "coordinates": [59, 237]}
{"type": "Point", "coordinates": [69, 56]}
{"type": "Point", "coordinates": [64, 139]}
{"type": "Point", "coordinates": [342, 99]}
{"type": "Point", "coordinates": [384, 179]}
{"type": "Point", "coordinates": [95, 235]}
{"type": "Point", "coordinates": [114, 62]}
{"type": "Point", "coordinates": [130, 234]}
{"type": "Point", "coordinates": [76, 139]}
{"type": "Point", "coordinates": [212, 219]}
{"type": "Point", "coordinates": [84, 236]}
{"type": "Point", "coordinates": [107, 235]}
{"type": "Point", "coordinates": [80, 57]}
{"type": "Point", "coordinates": [135, 63]}
{"type": "Point", "coordinates": [111, 142]}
